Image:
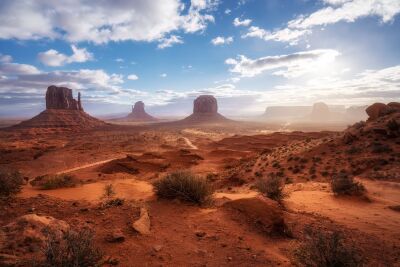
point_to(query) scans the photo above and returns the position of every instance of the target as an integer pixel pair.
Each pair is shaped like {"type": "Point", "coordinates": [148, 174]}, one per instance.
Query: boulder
{"type": "Point", "coordinates": [205, 104]}
{"type": "Point", "coordinates": [61, 98]}
{"type": "Point", "coordinates": [377, 110]}
{"type": "Point", "coordinates": [394, 105]}
{"type": "Point", "coordinates": [142, 225]}
{"type": "Point", "coordinates": [29, 232]}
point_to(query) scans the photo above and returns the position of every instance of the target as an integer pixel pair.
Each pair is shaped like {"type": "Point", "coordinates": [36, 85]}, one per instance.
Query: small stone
{"type": "Point", "coordinates": [157, 248]}
{"type": "Point", "coordinates": [200, 234]}
{"type": "Point", "coordinates": [229, 258]}
{"type": "Point", "coordinates": [116, 236]}
{"type": "Point", "coordinates": [142, 225]}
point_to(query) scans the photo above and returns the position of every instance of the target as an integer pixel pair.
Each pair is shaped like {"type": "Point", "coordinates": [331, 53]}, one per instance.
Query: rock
{"type": "Point", "coordinates": [377, 110]}
{"type": "Point", "coordinates": [116, 236]}
{"type": "Point", "coordinates": [320, 112]}
{"type": "Point", "coordinates": [157, 248]}
{"type": "Point", "coordinates": [262, 213]}
{"type": "Point", "coordinates": [394, 105]}
{"type": "Point", "coordinates": [200, 234]}
{"type": "Point", "coordinates": [205, 110]}
{"type": "Point", "coordinates": [30, 231]}
{"type": "Point", "coordinates": [62, 111]}
{"type": "Point", "coordinates": [139, 114]}
{"type": "Point", "coordinates": [205, 104]}
{"type": "Point", "coordinates": [61, 98]}
{"type": "Point", "coordinates": [142, 225]}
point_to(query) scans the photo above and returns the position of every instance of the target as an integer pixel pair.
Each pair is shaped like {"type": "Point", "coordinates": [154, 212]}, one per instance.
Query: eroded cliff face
{"type": "Point", "coordinates": [61, 98]}
{"type": "Point", "coordinates": [139, 114]}
{"type": "Point", "coordinates": [205, 104]}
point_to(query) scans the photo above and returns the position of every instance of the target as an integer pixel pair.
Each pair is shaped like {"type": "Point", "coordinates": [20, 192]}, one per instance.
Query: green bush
{"type": "Point", "coordinates": [184, 186]}
{"type": "Point", "coordinates": [57, 181]}
{"type": "Point", "coordinates": [11, 182]}
{"type": "Point", "coordinates": [76, 249]}
{"type": "Point", "coordinates": [327, 250]}
{"type": "Point", "coordinates": [271, 187]}
{"type": "Point", "coordinates": [344, 184]}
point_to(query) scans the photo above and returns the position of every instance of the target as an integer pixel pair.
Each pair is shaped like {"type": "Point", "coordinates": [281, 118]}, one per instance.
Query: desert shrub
{"type": "Point", "coordinates": [271, 187]}
{"type": "Point", "coordinates": [344, 184]}
{"type": "Point", "coordinates": [327, 250]}
{"type": "Point", "coordinates": [108, 191]}
{"type": "Point", "coordinates": [75, 249]}
{"type": "Point", "coordinates": [10, 183]}
{"type": "Point", "coordinates": [184, 186]}
{"type": "Point", "coordinates": [57, 181]}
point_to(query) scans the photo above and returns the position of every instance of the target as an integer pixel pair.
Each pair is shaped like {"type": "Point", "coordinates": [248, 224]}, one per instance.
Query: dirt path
{"type": "Point", "coordinates": [189, 143]}
{"type": "Point", "coordinates": [88, 165]}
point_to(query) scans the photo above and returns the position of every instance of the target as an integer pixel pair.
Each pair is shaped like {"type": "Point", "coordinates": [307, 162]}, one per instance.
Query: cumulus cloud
{"type": "Point", "coordinates": [54, 58]}
{"type": "Point", "coordinates": [102, 21]}
{"type": "Point", "coordinates": [335, 11]}
{"type": "Point", "coordinates": [133, 77]}
{"type": "Point", "coordinates": [169, 41]}
{"type": "Point", "coordinates": [289, 66]}
{"type": "Point", "coordinates": [237, 22]}
{"type": "Point", "coordinates": [219, 40]}
{"type": "Point", "coordinates": [5, 58]}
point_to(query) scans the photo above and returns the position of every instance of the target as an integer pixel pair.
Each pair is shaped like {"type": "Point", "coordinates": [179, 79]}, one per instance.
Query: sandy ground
{"type": "Point", "coordinates": [132, 159]}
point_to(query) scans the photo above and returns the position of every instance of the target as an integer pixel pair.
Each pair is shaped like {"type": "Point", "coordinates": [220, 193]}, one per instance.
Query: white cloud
{"type": "Point", "coordinates": [169, 41]}
{"type": "Point", "coordinates": [102, 21]}
{"type": "Point", "coordinates": [133, 77]}
{"type": "Point", "coordinates": [227, 11]}
{"type": "Point", "coordinates": [119, 60]}
{"type": "Point", "coordinates": [289, 66]}
{"type": "Point", "coordinates": [336, 11]}
{"type": "Point", "coordinates": [237, 22]}
{"type": "Point", "coordinates": [5, 58]}
{"type": "Point", "coordinates": [163, 75]}
{"type": "Point", "coordinates": [54, 59]}
{"type": "Point", "coordinates": [219, 40]}
{"type": "Point", "coordinates": [284, 35]}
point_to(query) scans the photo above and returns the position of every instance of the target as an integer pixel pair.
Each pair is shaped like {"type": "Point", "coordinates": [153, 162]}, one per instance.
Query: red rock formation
{"type": "Point", "coordinates": [61, 98]}
{"type": "Point", "coordinates": [205, 104]}
{"type": "Point", "coordinates": [139, 114]}
{"type": "Point", "coordinates": [62, 111]}
{"type": "Point", "coordinates": [377, 110]}
{"type": "Point", "coordinates": [205, 110]}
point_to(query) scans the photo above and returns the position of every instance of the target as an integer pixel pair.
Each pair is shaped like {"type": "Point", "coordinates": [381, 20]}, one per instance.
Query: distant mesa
{"type": "Point", "coordinates": [139, 114]}
{"type": "Point", "coordinates": [320, 112]}
{"type": "Point", "coordinates": [62, 111]}
{"type": "Point", "coordinates": [205, 110]}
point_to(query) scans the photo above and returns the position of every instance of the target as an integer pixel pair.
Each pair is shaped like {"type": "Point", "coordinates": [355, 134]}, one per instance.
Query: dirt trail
{"type": "Point", "coordinates": [189, 143]}
{"type": "Point", "coordinates": [88, 165]}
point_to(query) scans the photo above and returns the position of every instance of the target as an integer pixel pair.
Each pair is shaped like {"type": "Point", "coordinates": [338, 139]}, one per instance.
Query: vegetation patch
{"type": "Point", "coordinates": [271, 187]}
{"type": "Point", "coordinates": [184, 186]}
{"type": "Point", "coordinates": [327, 249]}
{"type": "Point", "coordinates": [344, 184]}
{"type": "Point", "coordinates": [48, 182]}
{"type": "Point", "coordinates": [11, 182]}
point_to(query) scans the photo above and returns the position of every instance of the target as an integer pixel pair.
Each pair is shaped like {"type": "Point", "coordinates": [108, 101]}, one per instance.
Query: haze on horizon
{"type": "Point", "coordinates": [249, 54]}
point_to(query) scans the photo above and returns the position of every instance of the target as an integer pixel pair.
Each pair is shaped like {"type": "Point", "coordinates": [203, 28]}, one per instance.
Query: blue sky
{"type": "Point", "coordinates": [250, 54]}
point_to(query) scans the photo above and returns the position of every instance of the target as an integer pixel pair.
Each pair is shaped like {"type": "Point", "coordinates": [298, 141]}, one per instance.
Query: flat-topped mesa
{"type": "Point", "coordinates": [205, 110]}
{"type": "Point", "coordinates": [139, 114]}
{"type": "Point", "coordinates": [62, 111]}
{"type": "Point", "coordinates": [61, 98]}
{"type": "Point", "coordinates": [205, 104]}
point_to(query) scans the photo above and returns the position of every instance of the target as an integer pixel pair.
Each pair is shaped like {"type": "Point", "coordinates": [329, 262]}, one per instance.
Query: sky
{"type": "Point", "coordinates": [249, 54]}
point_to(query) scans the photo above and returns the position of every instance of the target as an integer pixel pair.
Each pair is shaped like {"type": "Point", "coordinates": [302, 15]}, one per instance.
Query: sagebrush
{"type": "Point", "coordinates": [184, 186]}
{"type": "Point", "coordinates": [11, 182]}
